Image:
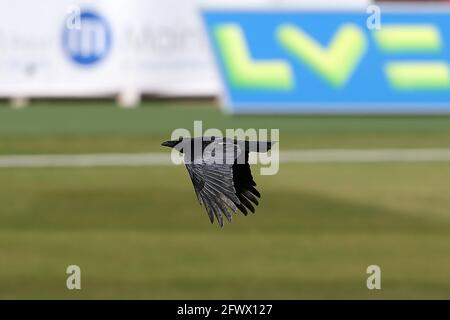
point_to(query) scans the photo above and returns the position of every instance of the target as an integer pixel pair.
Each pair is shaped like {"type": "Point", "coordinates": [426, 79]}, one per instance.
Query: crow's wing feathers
{"type": "Point", "coordinates": [213, 184]}
{"type": "Point", "coordinates": [226, 184]}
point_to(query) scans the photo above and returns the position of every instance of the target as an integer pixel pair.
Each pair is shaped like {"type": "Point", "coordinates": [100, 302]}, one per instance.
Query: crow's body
{"type": "Point", "coordinates": [220, 173]}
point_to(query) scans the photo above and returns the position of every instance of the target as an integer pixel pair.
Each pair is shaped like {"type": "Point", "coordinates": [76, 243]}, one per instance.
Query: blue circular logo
{"type": "Point", "coordinates": [89, 42]}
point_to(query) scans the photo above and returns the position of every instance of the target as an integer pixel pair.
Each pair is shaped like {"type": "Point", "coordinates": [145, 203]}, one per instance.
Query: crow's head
{"type": "Point", "coordinates": [173, 143]}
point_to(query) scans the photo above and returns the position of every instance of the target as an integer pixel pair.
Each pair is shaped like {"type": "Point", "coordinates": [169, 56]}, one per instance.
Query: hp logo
{"type": "Point", "coordinates": [90, 43]}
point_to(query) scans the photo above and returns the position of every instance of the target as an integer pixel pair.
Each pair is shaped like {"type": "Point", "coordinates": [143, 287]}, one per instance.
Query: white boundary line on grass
{"type": "Point", "coordinates": [162, 159]}
{"type": "Point", "coordinates": [370, 155]}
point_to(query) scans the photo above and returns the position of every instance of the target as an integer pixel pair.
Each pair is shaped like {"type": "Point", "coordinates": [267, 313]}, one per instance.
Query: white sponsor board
{"type": "Point", "coordinates": [39, 53]}
{"type": "Point", "coordinates": [50, 48]}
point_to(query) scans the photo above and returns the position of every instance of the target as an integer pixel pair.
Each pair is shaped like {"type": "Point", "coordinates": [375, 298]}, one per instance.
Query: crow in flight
{"type": "Point", "coordinates": [220, 172]}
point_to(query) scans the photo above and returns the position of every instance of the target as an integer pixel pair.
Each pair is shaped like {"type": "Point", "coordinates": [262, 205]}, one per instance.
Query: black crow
{"type": "Point", "coordinates": [220, 172]}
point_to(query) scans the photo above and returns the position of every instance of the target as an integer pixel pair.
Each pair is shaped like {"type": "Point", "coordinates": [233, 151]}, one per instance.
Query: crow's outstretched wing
{"type": "Point", "coordinates": [213, 184]}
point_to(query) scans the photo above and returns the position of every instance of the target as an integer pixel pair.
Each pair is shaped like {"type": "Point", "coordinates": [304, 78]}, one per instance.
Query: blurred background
{"type": "Point", "coordinates": [83, 178]}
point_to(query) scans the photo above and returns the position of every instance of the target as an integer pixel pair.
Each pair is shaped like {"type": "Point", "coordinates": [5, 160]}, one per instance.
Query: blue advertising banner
{"type": "Point", "coordinates": [332, 62]}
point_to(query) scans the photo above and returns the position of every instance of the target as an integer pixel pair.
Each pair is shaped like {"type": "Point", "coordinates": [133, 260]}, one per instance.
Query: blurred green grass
{"type": "Point", "coordinates": [93, 127]}
{"type": "Point", "coordinates": [140, 233]}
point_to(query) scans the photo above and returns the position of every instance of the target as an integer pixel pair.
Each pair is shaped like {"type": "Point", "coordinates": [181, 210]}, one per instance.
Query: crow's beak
{"type": "Point", "coordinates": [169, 144]}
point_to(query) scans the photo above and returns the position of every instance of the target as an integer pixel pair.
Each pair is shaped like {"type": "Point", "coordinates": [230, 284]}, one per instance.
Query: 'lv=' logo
{"type": "Point", "coordinates": [336, 62]}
